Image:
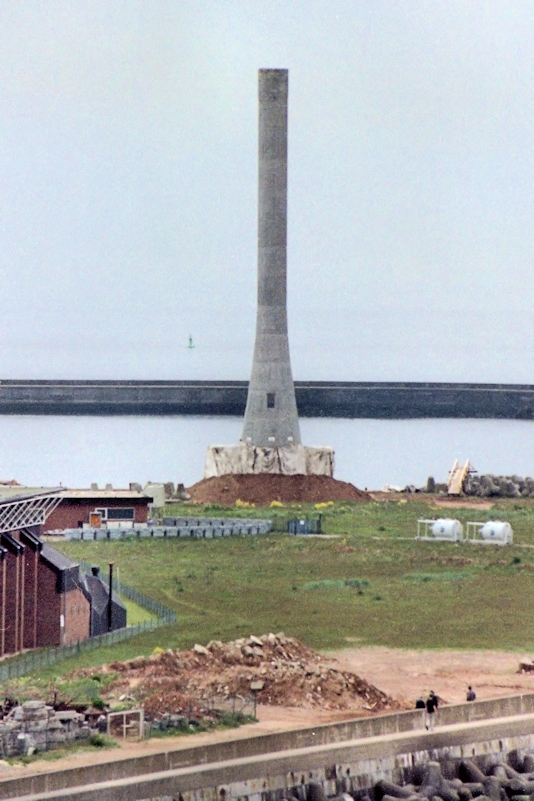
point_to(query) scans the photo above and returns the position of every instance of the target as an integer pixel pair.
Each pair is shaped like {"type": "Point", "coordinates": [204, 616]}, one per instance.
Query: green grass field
{"type": "Point", "coordinates": [373, 585]}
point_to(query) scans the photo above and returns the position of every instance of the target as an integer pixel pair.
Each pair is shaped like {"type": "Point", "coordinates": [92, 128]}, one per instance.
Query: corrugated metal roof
{"type": "Point", "coordinates": [99, 495]}
{"type": "Point", "coordinates": [20, 491]}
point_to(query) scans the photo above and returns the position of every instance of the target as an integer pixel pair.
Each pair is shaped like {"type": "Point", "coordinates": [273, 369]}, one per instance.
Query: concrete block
{"type": "Point", "coordinates": [115, 533]}
{"type": "Point", "coordinates": [34, 726]}
{"type": "Point", "coordinates": [56, 737]}
{"type": "Point", "coordinates": [101, 534]}
{"type": "Point", "coordinates": [158, 532]}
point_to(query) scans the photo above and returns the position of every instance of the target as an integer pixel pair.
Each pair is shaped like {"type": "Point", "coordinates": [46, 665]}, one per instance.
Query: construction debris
{"type": "Point", "coordinates": [278, 670]}
{"type": "Point", "coordinates": [34, 726]}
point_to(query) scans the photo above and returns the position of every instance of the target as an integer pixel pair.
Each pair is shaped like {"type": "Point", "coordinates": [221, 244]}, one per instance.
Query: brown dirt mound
{"type": "Point", "coordinates": [262, 489]}
{"type": "Point", "coordinates": [290, 674]}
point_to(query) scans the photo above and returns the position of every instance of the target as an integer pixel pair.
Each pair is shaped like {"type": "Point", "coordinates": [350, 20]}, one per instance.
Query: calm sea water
{"type": "Point", "coordinates": [44, 451]}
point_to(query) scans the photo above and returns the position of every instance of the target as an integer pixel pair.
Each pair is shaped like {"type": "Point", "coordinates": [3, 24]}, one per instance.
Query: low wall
{"type": "Point", "coordinates": [382, 739]}
{"type": "Point", "coordinates": [203, 529]}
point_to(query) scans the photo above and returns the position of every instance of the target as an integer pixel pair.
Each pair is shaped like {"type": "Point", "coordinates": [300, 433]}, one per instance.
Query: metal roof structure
{"type": "Point", "coordinates": [22, 511]}
{"type": "Point", "coordinates": [104, 494]}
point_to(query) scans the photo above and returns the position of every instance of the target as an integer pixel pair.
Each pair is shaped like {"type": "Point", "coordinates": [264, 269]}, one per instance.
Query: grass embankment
{"type": "Point", "coordinates": [373, 585]}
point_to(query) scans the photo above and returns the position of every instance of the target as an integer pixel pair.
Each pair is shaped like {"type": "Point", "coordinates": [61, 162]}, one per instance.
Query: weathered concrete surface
{"type": "Point", "coordinates": [314, 399]}
{"type": "Point", "coordinates": [365, 761]}
{"type": "Point", "coordinates": [271, 417]}
{"type": "Point", "coordinates": [363, 730]}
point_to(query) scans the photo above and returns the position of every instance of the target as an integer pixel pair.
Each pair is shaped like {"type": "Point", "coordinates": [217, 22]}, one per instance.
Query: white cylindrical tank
{"type": "Point", "coordinates": [157, 491]}
{"type": "Point", "coordinates": [447, 529]}
{"type": "Point", "coordinates": [497, 530]}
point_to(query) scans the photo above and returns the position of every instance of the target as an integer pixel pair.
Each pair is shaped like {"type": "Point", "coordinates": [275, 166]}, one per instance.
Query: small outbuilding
{"type": "Point", "coordinates": [98, 507]}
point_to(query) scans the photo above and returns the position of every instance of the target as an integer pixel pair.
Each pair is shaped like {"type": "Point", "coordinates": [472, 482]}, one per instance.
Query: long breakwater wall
{"type": "Point", "coordinates": [305, 765]}
{"type": "Point", "coordinates": [383, 400]}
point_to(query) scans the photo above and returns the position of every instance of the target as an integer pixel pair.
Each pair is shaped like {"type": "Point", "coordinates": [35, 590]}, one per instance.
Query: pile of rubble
{"type": "Point", "coordinates": [34, 726]}
{"type": "Point", "coordinates": [489, 486]}
{"type": "Point", "coordinates": [279, 670]}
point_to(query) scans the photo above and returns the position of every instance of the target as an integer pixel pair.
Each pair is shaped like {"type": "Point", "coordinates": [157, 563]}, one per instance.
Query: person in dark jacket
{"type": "Point", "coordinates": [471, 694]}
{"type": "Point", "coordinates": [421, 706]}
{"type": "Point", "coordinates": [431, 704]}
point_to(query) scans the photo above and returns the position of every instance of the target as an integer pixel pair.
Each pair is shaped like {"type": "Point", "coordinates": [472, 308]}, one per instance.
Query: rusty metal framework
{"type": "Point", "coordinates": [29, 510]}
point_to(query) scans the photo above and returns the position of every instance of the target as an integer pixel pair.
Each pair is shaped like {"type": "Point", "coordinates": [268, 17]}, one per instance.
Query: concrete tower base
{"type": "Point", "coordinates": [288, 460]}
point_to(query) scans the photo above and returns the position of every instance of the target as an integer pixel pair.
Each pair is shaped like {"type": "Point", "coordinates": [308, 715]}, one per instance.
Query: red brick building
{"type": "Point", "coordinates": [44, 600]}
{"type": "Point", "coordinates": [112, 506]}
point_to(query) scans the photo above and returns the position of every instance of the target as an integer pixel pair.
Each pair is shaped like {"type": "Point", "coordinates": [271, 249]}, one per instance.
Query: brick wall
{"type": "Point", "coordinates": [31, 596]}
{"type": "Point", "coordinates": [77, 612]}
{"type": "Point", "coordinates": [49, 609]}
{"type": "Point", "coordinates": [70, 513]}
{"type": "Point", "coordinates": [13, 601]}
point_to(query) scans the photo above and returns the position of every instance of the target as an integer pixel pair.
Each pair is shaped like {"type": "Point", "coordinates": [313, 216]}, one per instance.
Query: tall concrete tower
{"type": "Point", "coordinates": [270, 441]}
{"type": "Point", "coordinates": [271, 418]}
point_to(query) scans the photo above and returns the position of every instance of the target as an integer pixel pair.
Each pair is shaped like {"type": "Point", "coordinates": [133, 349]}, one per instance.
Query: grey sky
{"type": "Point", "coordinates": [128, 187]}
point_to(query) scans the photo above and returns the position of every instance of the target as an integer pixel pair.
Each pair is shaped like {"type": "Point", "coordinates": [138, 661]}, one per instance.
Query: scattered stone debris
{"type": "Point", "coordinates": [262, 489]}
{"type": "Point", "coordinates": [490, 486]}
{"type": "Point", "coordinates": [34, 726]}
{"type": "Point", "coordinates": [290, 674]}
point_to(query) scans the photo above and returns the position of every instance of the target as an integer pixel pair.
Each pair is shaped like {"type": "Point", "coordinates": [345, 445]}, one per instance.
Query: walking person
{"type": "Point", "coordinates": [431, 704]}
{"type": "Point", "coordinates": [421, 706]}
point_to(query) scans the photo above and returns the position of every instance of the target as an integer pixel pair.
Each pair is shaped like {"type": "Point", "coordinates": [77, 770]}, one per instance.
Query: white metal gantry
{"type": "Point", "coordinates": [21, 511]}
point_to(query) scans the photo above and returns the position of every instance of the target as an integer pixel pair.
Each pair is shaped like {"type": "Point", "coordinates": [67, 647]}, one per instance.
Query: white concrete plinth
{"type": "Point", "coordinates": [289, 460]}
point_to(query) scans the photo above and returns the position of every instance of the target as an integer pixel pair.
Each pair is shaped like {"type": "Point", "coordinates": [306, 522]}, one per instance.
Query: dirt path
{"type": "Point", "coordinates": [404, 674]}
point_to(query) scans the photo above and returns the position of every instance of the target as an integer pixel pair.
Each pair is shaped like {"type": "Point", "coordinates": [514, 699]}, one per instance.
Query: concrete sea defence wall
{"type": "Point", "coordinates": [383, 400]}
{"type": "Point", "coordinates": [262, 768]}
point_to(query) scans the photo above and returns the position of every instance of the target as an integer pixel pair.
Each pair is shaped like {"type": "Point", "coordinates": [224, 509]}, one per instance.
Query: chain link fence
{"type": "Point", "coordinates": [134, 595]}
